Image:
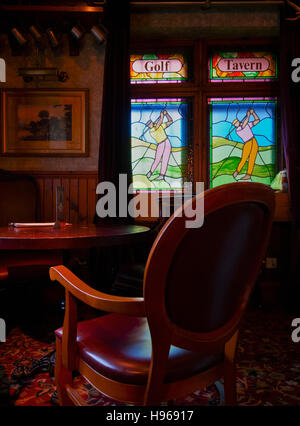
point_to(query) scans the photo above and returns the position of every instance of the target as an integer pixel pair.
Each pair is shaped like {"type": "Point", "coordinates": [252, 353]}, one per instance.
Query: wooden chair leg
{"type": "Point", "coordinates": [230, 384]}
{"type": "Point", "coordinates": [63, 377]}
{"type": "Point", "coordinates": [154, 394]}
{"type": "Point", "coordinates": [230, 371]}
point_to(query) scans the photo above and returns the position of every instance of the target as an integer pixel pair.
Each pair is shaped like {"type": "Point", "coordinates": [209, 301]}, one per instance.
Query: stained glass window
{"type": "Point", "coordinates": [243, 140]}
{"type": "Point", "coordinates": [242, 67]}
{"type": "Point", "coordinates": [152, 68]}
{"type": "Point", "coordinates": [159, 144]}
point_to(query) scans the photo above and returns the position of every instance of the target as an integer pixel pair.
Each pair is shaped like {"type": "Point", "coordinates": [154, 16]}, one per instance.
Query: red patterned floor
{"type": "Point", "coordinates": [268, 368]}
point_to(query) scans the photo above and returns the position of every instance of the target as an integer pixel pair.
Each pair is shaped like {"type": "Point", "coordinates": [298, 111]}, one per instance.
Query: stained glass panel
{"type": "Point", "coordinates": [152, 68]}
{"type": "Point", "coordinates": [159, 144]}
{"type": "Point", "coordinates": [243, 140]}
{"type": "Point", "coordinates": [242, 66]}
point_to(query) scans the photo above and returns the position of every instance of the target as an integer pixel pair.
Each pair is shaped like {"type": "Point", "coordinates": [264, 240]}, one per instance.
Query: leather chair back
{"type": "Point", "coordinates": [199, 279]}
{"type": "Point", "coordinates": [19, 201]}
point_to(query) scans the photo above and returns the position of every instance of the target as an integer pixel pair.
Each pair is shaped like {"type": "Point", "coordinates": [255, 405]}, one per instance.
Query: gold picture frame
{"type": "Point", "coordinates": [44, 122]}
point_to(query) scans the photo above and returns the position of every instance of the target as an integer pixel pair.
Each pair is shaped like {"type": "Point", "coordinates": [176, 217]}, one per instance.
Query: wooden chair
{"type": "Point", "coordinates": [182, 335]}
{"type": "Point", "coordinates": [20, 202]}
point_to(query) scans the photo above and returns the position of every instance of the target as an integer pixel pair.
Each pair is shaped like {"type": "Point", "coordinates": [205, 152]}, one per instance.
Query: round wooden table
{"type": "Point", "coordinates": [70, 236]}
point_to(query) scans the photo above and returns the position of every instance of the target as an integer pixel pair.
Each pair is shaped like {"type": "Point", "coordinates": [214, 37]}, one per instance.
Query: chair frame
{"type": "Point", "coordinates": [164, 333]}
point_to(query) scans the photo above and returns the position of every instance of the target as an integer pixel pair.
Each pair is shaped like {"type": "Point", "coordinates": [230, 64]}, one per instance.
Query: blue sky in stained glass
{"type": "Point", "coordinates": [142, 112]}
{"type": "Point", "coordinates": [224, 113]}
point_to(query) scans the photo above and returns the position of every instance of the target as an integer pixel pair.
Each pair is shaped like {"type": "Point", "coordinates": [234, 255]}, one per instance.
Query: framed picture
{"type": "Point", "coordinates": [44, 122]}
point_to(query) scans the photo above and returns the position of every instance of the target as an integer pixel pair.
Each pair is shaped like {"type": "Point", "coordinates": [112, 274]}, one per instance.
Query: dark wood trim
{"type": "Point", "coordinates": [51, 173]}
{"type": "Point", "coordinates": [249, 42]}
{"type": "Point", "coordinates": [54, 9]}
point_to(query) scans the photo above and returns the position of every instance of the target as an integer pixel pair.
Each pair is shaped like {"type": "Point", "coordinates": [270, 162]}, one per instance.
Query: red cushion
{"type": "Point", "coordinates": [119, 347]}
{"type": "Point", "coordinates": [21, 263]}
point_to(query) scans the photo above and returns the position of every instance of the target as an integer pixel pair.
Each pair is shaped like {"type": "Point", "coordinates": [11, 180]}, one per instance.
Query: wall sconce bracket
{"type": "Point", "coordinates": [48, 74]}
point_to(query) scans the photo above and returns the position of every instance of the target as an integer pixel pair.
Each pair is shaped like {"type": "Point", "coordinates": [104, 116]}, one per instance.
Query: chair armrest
{"type": "Point", "coordinates": [117, 304]}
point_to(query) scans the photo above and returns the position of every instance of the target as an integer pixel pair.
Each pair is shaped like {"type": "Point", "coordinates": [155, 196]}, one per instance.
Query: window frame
{"type": "Point", "coordinates": [198, 88]}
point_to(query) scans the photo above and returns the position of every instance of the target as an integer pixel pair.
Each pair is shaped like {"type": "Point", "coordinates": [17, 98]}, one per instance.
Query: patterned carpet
{"type": "Point", "coordinates": [268, 368]}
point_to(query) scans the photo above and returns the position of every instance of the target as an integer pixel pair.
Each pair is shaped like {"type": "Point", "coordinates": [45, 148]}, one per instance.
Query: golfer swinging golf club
{"type": "Point", "coordinates": [164, 148]}
{"type": "Point", "coordinates": [250, 149]}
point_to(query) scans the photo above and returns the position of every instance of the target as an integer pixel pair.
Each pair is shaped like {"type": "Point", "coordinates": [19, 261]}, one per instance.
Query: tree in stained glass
{"type": "Point", "coordinates": [242, 66]}
{"type": "Point", "coordinates": [243, 140]}
{"type": "Point", "coordinates": [159, 144]}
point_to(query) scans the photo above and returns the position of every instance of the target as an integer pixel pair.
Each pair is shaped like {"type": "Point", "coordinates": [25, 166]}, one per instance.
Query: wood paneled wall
{"type": "Point", "coordinates": [80, 197]}
{"type": "Point", "coordinates": [79, 193]}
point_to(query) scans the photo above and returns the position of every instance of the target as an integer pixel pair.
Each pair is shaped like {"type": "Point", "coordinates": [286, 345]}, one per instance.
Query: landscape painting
{"type": "Point", "coordinates": [45, 122]}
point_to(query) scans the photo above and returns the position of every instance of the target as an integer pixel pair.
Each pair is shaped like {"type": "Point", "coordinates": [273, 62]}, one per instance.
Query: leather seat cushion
{"type": "Point", "coordinates": [119, 348]}
{"type": "Point", "coordinates": [23, 263]}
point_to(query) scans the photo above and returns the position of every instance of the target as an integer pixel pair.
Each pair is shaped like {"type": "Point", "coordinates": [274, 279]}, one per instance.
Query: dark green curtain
{"type": "Point", "coordinates": [115, 149]}
{"type": "Point", "coordinates": [290, 133]}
